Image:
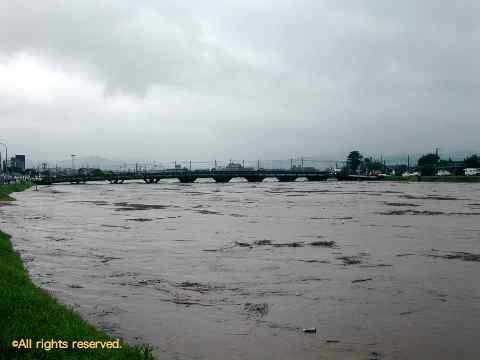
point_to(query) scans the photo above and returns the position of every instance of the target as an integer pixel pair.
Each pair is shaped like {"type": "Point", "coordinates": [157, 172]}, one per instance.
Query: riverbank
{"type": "Point", "coordinates": [458, 179]}
{"type": "Point", "coordinates": [28, 312]}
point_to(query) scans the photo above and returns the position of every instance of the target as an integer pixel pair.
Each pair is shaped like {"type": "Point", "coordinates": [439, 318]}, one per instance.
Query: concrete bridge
{"type": "Point", "coordinates": [189, 176]}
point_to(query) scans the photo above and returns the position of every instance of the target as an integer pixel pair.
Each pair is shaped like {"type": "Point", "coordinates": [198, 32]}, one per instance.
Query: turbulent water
{"type": "Point", "coordinates": [239, 270]}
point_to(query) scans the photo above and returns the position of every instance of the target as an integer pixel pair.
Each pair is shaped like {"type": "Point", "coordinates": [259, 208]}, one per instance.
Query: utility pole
{"type": "Point", "coordinates": [258, 164]}
{"type": "Point", "coordinates": [291, 163]}
{"type": "Point", "coordinates": [302, 162]}
{"type": "Point", "coordinates": [190, 165]}
{"type": "Point", "coordinates": [6, 157]}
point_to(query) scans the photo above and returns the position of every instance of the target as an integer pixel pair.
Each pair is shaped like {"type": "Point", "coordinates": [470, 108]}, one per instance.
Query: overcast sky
{"type": "Point", "coordinates": [241, 79]}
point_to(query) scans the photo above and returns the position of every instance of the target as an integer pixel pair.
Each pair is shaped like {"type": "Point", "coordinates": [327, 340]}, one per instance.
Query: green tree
{"type": "Point", "coordinates": [97, 172]}
{"type": "Point", "coordinates": [428, 159]}
{"type": "Point", "coordinates": [372, 164]}
{"type": "Point", "coordinates": [428, 164]}
{"type": "Point", "coordinates": [354, 160]}
{"type": "Point", "coordinates": [472, 161]}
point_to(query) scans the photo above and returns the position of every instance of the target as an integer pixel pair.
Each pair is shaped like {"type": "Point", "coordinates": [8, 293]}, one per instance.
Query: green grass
{"type": "Point", "coordinates": [9, 188]}
{"type": "Point", "coordinates": [28, 312]}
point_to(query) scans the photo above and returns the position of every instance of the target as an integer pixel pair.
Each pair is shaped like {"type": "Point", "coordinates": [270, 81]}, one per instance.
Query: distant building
{"type": "Point", "coordinates": [17, 164]}
{"type": "Point", "coordinates": [234, 166]}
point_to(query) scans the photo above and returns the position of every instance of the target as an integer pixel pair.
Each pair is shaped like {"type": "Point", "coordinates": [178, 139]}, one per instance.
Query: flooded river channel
{"type": "Point", "coordinates": [239, 270]}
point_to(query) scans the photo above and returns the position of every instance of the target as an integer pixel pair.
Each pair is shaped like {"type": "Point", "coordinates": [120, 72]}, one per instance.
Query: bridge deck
{"type": "Point", "coordinates": [185, 175]}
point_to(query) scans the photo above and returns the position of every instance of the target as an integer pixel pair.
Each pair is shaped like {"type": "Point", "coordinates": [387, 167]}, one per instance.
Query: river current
{"type": "Point", "coordinates": [239, 270]}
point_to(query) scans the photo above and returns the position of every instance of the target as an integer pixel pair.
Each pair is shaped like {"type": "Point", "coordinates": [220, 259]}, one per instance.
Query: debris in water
{"type": "Point", "coordinates": [321, 243]}
{"type": "Point", "coordinates": [315, 261]}
{"type": "Point", "coordinates": [292, 244]}
{"type": "Point", "coordinates": [242, 244]}
{"type": "Point", "coordinates": [406, 254]}
{"type": "Point", "coordinates": [412, 212]}
{"type": "Point", "coordinates": [310, 330]}
{"type": "Point", "coordinates": [117, 226]}
{"type": "Point", "coordinates": [195, 286]}
{"type": "Point", "coordinates": [124, 206]}
{"type": "Point", "coordinates": [207, 212]}
{"type": "Point", "coordinates": [182, 300]}
{"type": "Point", "coordinates": [428, 197]}
{"type": "Point", "coordinates": [262, 242]}
{"type": "Point", "coordinates": [350, 260]}
{"type": "Point", "coordinates": [399, 204]}
{"type": "Point", "coordinates": [465, 256]}
{"type": "Point", "coordinates": [315, 279]}
{"type": "Point", "coordinates": [106, 259]}
{"type": "Point", "coordinates": [256, 310]}
{"type": "Point", "coordinates": [361, 280]}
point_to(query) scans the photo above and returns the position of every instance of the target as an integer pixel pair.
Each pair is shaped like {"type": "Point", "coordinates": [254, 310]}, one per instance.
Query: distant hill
{"type": "Point", "coordinates": [320, 161]}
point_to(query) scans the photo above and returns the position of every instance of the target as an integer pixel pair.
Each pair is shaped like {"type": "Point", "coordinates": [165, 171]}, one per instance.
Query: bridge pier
{"type": "Point", "coordinates": [285, 178]}
{"type": "Point", "coordinates": [317, 178]}
{"type": "Point", "coordinates": [187, 179]}
{"type": "Point", "coordinates": [255, 178]}
{"type": "Point", "coordinates": [222, 178]}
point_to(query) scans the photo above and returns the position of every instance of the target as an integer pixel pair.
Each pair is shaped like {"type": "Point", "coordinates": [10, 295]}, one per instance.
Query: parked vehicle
{"type": "Point", "coordinates": [472, 171]}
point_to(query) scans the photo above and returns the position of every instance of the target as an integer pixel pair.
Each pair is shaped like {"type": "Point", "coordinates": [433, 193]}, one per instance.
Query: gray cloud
{"type": "Point", "coordinates": [271, 79]}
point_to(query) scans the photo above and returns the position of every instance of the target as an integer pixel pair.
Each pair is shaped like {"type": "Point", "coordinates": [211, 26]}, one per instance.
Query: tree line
{"type": "Point", "coordinates": [427, 165]}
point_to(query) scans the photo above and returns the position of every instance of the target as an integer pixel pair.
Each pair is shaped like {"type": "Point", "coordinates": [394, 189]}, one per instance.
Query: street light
{"type": "Point", "coordinates": [6, 156]}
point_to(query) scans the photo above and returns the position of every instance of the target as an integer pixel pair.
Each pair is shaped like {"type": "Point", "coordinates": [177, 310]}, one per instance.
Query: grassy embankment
{"type": "Point", "coordinates": [28, 312]}
{"type": "Point", "coordinates": [458, 179]}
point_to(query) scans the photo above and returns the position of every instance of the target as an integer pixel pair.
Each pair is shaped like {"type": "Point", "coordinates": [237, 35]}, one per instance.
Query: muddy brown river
{"type": "Point", "coordinates": [239, 270]}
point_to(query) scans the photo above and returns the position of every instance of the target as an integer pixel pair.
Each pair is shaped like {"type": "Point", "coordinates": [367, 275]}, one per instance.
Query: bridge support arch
{"type": "Point", "coordinates": [255, 178]}
{"type": "Point", "coordinates": [222, 178]}
{"type": "Point", "coordinates": [187, 179]}
{"type": "Point", "coordinates": [285, 178]}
